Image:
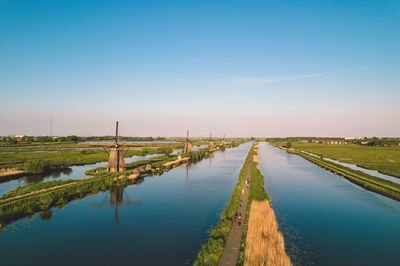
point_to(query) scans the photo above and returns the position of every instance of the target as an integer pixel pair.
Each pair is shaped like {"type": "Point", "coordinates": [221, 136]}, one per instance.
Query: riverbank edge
{"type": "Point", "coordinates": [257, 192]}
{"type": "Point", "coordinates": [12, 176]}
{"type": "Point", "coordinates": [371, 183]}
{"type": "Point", "coordinates": [354, 164]}
{"type": "Point", "coordinates": [14, 209]}
{"type": "Point", "coordinates": [211, 252]}
{"type": "Point", "coordinates": [382, 171]}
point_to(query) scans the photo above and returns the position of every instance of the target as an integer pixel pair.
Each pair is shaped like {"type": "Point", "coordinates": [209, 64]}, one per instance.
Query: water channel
{"type": "Point", "coordinates": [325, 219]}
{"type": "Point", "coordinates": [358, 168]}
{"type": "Point", "coordinates": [75, 172]}
{"type": "Point", "coordinates": [162, 221]}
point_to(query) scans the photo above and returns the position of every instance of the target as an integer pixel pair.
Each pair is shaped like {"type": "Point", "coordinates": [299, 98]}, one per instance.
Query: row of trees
{"type": "Point", "coordinates": [377, 142]}
{"type": "Point", "coordinates": [40, 139]}
{"type": "Point", "coordinates": [72, 138]}
{"type": "Point", "coordinates": [374, 141]}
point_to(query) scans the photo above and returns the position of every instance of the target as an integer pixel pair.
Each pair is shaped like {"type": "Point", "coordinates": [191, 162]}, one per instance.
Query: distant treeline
{"type": "Point", "coordinates": [38, 139]}
{"type": "Point", "coordinates": [374, 141]}
{"type": "Point", "coordinates": [73, 138]}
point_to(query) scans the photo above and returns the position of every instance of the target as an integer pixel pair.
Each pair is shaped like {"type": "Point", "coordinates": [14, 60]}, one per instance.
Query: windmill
{"type": "Point", "coordinates": [116, 162]}
{"type": "Point", "coordinates": [223, 141]}
{"type": "Point", "coordinates": [188, 144]}
{"type": "Point", "coordinates": [211, 143]}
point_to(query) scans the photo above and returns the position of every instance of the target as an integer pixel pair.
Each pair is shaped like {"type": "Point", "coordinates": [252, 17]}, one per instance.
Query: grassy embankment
{"type": "Point", "coordinates": [36, 197]}
{"type": "Point", "coordinates": [28, 161]}
{"type": "Point", "coordinates": [261, 242]}
{"type": "Point", "coordinates": [383, 159]}
{"type": "Point", "coordinates": [211, 252]}
{"type": "Point", "coordinates": [368, 182]}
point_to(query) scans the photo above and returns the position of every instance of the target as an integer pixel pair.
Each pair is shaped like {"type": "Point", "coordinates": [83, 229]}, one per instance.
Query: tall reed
{"type": "Point", "coordinates": [264, 244]}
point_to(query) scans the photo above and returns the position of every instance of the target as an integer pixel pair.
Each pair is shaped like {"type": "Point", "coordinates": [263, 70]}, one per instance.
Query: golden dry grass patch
{"type": "Point", "coordinates": [264, 244]}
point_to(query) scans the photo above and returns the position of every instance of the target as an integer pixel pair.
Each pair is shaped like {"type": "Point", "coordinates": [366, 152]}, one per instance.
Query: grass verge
{"type": "Point", "coordinates": [257, 192]}
{"type": "Point", "coordinates": [211, 252]}
{"type": "Point", "coordinates": [366, 181]}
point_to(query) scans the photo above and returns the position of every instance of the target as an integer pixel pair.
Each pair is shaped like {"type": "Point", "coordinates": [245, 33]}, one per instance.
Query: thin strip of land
{"type": "Point", "coordinates": [232, 247]}
{"type": "Point", "coordinates": [364, 180]}
{"type": "Point", "coordinates": [383, 159]}
{"type": "Point", "coordinates": [211, 252]}
{"type": "Point", "coordinates": [263, 251]}
{"type": "Point", "coordinates": [227, 244]}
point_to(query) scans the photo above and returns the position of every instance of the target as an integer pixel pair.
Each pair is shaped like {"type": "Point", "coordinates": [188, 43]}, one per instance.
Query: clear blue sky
{"type": "Point", "coordinates": [244, 68]}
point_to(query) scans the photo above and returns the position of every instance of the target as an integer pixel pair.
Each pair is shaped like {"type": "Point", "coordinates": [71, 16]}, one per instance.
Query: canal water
{"type": "Point", "coordinates": [75, 172]}
{"type": "Point", "coordinates": [325, 219]}
{"type": "Point", "coordinates": [358, 168]}
{"type": "Point", "coordinates": [162, 221]}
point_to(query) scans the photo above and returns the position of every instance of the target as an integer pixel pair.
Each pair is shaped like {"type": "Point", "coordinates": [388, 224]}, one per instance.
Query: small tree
{"type": "Point", "coordinates": [288, 145]}
{"type": "Point", "coordinates": [165, 150]}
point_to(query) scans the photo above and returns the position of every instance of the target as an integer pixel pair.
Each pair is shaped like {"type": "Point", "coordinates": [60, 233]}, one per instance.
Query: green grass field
{"type": "Point", "coordinates": [16, 157]}
{"type": "Point", "coordinates": [383, 159]}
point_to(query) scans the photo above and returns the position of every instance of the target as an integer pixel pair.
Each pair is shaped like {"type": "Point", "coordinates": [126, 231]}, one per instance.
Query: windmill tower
{"type": "Point", "coordinates": [188, 144]}
{"type": "Point", "coordinates": [223, 141]}
{"type": "Point", "coordinates": [211, 143]}
{"type": "Point", "coordinates": [116, 162]}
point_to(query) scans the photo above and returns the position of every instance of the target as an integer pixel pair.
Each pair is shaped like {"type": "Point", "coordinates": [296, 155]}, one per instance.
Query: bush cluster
{"type": "Point", "coordinates": [38, 166]}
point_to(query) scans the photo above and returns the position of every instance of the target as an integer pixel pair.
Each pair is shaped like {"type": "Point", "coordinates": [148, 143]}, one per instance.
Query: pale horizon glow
{"type": "Point", "coordinates": [244, 69]}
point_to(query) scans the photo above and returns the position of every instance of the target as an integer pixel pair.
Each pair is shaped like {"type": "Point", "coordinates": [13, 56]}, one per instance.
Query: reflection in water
{"type": "Point", "coordinates": [210, 158]}
{"type": "Point", "coordinates": [55, 174]}
{"type": "Point", "coordinates": [116, 199]}
{"type": "Point", "coordinates": [46, 215]}
{"type": "Point", "coordinates": [187, 171]}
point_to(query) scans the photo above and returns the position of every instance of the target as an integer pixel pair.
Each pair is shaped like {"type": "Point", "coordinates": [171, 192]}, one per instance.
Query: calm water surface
{"type": "Point", "coordinates": [325, 219]}
{"type": "Point", "coordinates": [162, 221]}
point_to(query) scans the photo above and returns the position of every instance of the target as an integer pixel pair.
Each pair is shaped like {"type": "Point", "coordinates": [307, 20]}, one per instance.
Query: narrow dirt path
{"type": "Point", "coordinates": [232, 247]}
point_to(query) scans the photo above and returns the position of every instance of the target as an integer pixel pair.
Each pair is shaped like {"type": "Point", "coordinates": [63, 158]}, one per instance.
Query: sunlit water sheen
{"type": "Point", "coordinates": [325, 219]}
{"type": "Point", "coordinates": [162, 221]}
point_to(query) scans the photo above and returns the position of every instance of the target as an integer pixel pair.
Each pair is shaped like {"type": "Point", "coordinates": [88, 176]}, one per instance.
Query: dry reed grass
{"type": "Point", "coordinates": [10, 171]}
{"type": "Point", "coordinates": [264, 243]}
